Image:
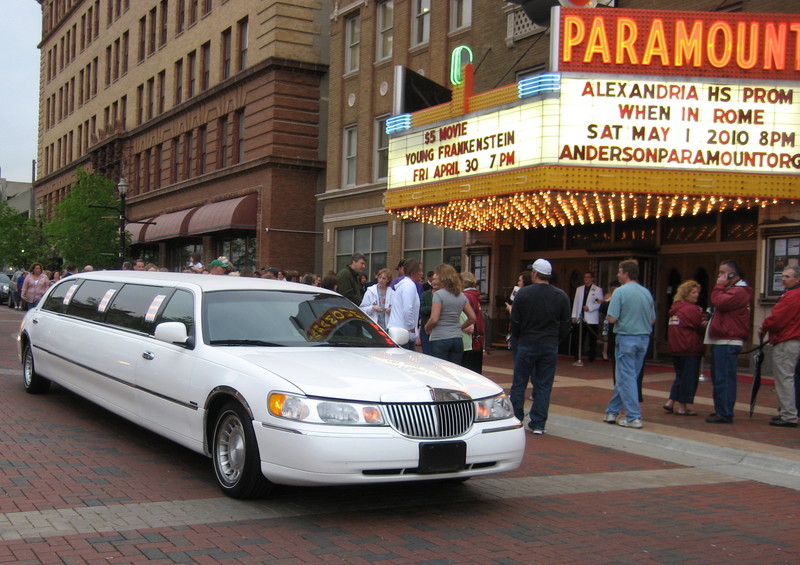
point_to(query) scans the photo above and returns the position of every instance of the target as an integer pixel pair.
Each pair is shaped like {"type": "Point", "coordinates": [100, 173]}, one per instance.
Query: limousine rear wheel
{"type": "Point", "coordinates": [34, 383]}
{"type": "Point", "coordinates": [237, 463]}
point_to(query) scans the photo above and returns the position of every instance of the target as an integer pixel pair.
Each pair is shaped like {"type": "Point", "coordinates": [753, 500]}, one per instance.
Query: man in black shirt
{"type": "Point", "coordinates": [540, 317]}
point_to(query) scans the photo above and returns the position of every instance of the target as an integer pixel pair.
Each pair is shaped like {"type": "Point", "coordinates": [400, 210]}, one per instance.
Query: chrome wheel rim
{"type": "Point", "coordinates": [27, 368]}
{"type": "Point", "coordinates": [231, 449]}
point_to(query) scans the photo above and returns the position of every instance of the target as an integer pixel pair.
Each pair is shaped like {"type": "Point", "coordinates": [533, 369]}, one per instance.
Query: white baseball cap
{"type": "Point", "coordinates": [542, 266]}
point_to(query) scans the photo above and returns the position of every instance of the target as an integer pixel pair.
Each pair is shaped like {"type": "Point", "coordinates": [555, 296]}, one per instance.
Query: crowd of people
{"type": "Point", "coordinates": [443, 317]}
{"type": "Point", "coordinates": [624, 318]}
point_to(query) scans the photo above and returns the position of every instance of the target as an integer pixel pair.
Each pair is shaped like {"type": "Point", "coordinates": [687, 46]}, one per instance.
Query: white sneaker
{"type": "Point", "coordinates": [637, 423]}
{"type": "Point", "coordinates": [610, 418]}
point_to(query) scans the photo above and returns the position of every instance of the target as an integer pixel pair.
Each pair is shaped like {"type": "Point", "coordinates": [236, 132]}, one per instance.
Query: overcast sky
{"type": "Point", "coordinates": [20, 32]}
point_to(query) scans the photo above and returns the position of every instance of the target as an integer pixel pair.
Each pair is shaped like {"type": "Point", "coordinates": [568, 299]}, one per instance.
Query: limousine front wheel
{"type": "Point", "coordinates": [33, 382]}
{"type": "Point", "coordinates": [236, 460]}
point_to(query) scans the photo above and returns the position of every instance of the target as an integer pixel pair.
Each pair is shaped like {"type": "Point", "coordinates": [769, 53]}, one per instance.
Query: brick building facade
{"type": "Point", "coordinates": [370, 39]}
{"type": "Point", "coordinates": [212, 110]}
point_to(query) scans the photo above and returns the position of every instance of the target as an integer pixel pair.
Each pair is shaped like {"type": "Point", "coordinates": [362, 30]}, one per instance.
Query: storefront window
{"type": "Point", "coordinates": [588, 236]}
{"type": "Point", "coordinates": [783, 250]}
{"type": "Point", "coordinates": [689, 229]}
{"type": "Point", "coordinates": [432, 245]}
{"type": "Point", "coordinates": [372, 241]}
{"type": "Point", "coordinates": [636, 232]}
{"type": "Point", "coordinates": [544, 239]}
{"type": "Point", "coordinates": [240, 250]}
{"type": "Point", "coordinates": [739, 225]}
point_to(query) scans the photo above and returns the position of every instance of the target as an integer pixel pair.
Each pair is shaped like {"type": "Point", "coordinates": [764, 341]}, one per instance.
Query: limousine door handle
{"type": "Point", "coordinates": [149, 355]}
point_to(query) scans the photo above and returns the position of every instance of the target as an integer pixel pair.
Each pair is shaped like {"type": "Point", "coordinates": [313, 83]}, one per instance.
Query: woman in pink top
{"type": "Point", "coordinates": [34, 287]}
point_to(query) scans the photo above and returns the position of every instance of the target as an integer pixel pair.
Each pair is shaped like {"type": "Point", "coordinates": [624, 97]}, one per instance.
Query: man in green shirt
{"type": "Point", "coordinates": [349, 287]}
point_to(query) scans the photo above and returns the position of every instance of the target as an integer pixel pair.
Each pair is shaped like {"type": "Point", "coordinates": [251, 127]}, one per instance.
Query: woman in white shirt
{"type": "Point", "coordinates": [377, 301]}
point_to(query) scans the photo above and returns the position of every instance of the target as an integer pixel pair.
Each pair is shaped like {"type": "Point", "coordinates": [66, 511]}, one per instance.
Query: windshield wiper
{"type": "Point", "coordinates": [247, 342]}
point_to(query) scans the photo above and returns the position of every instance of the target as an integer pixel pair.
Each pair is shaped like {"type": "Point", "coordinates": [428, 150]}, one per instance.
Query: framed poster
{"type": "Point", "coordinates": [782, 251]}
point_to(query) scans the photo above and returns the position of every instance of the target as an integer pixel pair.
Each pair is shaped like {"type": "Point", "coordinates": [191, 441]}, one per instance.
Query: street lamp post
{"type": "Point", "coordinates": [122, 188]}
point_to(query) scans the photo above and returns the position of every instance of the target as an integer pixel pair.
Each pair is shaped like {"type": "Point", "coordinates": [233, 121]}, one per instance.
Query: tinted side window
{"type": "Point", "coordinates": [91, 300]}
{"type": "Point", "coordinates": [135, 306]}
{"type": "Point", "coordinates": [55, 300]}
{"type": "Point", "coordinates": [180, 308]}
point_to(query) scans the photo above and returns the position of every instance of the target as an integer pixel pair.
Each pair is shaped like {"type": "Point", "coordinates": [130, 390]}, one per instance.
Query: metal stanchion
{"type": "Point", "coordinates": [579, 363]}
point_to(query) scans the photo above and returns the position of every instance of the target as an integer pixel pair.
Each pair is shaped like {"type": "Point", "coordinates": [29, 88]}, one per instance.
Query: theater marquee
{"type": "Point", "coordinates": [648, 115]}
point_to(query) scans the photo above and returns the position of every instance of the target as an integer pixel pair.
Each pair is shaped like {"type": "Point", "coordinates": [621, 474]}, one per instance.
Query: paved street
{"type": "Point", "coordinates": [80, 485]}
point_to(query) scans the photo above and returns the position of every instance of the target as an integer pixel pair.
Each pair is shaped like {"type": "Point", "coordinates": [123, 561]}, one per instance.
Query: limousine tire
{"type": "Point", "coordinates": [34, 383]}
{"type": "Point", "coordinates": [237, 463]}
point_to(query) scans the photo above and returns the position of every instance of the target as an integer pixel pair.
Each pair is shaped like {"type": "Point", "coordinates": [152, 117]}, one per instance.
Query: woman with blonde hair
{"type": "Point", "coordinates": [377, 301]}
{"type": "Point", "coordinates": [445, 326]}
{"type": "Point", "coordinates": [685, 337]}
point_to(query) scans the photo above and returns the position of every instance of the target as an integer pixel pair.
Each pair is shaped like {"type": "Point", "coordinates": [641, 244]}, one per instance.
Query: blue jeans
{"type": "Point", "coordinates": [630, 353]}
{"type": "Point", "coordinates": [537, 363]}
{"type": "Point", "coordinates": [724, 361]}
{"type": "Point", "coordinates": [450, 349]}
{"type": "Point", "coordinates": [687, 373]}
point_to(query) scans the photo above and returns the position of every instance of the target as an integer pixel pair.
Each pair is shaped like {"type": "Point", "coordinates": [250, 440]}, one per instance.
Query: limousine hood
{"type": "Point", "coordinates": [372, 375]}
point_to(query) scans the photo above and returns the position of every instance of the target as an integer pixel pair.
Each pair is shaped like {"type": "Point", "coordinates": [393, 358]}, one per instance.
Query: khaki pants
{"type": "Point", "coordinates": [784, 361]}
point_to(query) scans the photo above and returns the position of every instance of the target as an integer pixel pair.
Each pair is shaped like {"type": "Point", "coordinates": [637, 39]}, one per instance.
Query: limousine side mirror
{"type": "Point", "coordinates": [399, 335]}
{"type": "Point", "coordinates": [173, 332]}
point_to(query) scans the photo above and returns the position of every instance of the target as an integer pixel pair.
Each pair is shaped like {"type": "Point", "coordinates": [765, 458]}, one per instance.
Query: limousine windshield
{"type": "Point", "coordinates": [293, 319]}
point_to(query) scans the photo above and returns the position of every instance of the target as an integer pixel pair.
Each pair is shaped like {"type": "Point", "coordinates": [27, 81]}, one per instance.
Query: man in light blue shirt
{"type": "Point", "coordinates": [633, 314]}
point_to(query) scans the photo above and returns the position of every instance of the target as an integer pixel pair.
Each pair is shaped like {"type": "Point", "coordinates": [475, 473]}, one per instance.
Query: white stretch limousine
{"type": "Point", "coordinates": [277, 382]}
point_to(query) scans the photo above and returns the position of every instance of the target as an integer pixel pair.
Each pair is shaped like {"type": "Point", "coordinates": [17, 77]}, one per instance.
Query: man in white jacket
{"type": "Point", "coordinates": [586, 306]}
{"type": "Point", "coordinates": [405, 302]}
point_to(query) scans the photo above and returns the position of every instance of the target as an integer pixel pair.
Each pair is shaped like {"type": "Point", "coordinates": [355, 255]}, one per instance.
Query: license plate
{"type": "Point", "coordinates": [443, 457]}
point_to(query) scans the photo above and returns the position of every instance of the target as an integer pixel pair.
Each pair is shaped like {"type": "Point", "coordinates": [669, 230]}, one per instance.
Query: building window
{"type": "Point", "coordinates": [108, 65]}
{"type": "Point", "coordinates": [140, 104]}
{"type": "Point", "coordinates": [201, 150]}
{"type": "Point", "coordinates": [241, 46]}
{"type": "Point", "coordinates": [176, 160]}
{"type": "Point", "coordinates": [180, 17]}
{"type": "Point", "coordinates": [162, 77]}
{"type": "Point", "coordinates": [178, 81]}
{"type": "Point", "coordinates": [193, 11]}
{"type": "Point", "coordinates": [163, 28]}
{"type": "Point", "coordinates": [142, 37]}
{"type": "Point", "coordinates": [150, 98]}
{"type": "Point", "coordinates": [241, 250]}
{"type": "Point", "coordinates": [353, 43]}
{"type": "Point", "coordinates": [222, 142]}
{"type": "Point", "coordinates": [152, 28]}
{"type": "Point", "coordinates": [460, 14]}
{"type": "Point", "coordinates": [205, 66]}
{"type": "Point", "coordinates": [157, 152]}
{"type": "Point", "coordinates": [206, 7]}
{"type": "Point", "coordinates": [125, 42]}
{"type": "Point", "coordinates": [350, 155]}
{"type": "Point", "coordinates": [188, 154]}
{"type": "Point", "coordinates": [381, 149]}
{"type": "Point", "coordinates": [385, 32]}
{"type": "Point", "coordinates": [225, 67]}
{"type": "Point", "coordinates": [432, 245]}
{"type": "Point", "coordinates": [421, 25]}
{"type": "Point", "coordinates": [372, 241]}
{"type": "Point", "coordinates": [238, 142]}
{"type": "Point", "coordinates": [192, 63]}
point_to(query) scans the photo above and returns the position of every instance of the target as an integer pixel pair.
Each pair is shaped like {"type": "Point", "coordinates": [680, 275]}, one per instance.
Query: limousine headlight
{"type": "Point", "coordinates": [315, 411]}
{"type": "Point", "coordinates": [494, 408]}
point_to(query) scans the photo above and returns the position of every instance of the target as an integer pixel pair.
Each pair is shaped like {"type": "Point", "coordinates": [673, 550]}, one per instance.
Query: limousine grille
{"type": "Point", "coordinates": [436, 420]}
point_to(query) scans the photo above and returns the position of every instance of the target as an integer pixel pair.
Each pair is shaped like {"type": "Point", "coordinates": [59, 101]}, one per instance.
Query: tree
{"type": "Point", "coordinates": [82, 233]}
{"type": "Point", "coordinates": [21, 238]}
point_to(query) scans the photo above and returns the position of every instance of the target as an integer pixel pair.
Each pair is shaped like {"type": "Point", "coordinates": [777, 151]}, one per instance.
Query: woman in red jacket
{"type": "Point", "coordinates": [685, 335]}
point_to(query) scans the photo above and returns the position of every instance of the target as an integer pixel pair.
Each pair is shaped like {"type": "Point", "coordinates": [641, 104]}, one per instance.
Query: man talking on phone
{"type": "Point", "coordinates": [727, 331]}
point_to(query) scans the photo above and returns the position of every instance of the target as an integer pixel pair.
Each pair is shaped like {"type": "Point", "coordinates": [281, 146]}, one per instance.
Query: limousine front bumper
{"type": "Point", "coordinates": [352, 455]}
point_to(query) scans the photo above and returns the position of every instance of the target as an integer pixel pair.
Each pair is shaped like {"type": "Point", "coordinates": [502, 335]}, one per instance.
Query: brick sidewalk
{"type": "Point", "coordinates": [80, 485]}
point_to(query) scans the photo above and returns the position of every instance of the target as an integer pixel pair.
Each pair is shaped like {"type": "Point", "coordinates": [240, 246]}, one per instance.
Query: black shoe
{"type": "Point", "coordinates": [774, 418]}
{"type": "Point", "coordinates": [782, 423]}
{"type": "Point", "coordinates": [714, 419]}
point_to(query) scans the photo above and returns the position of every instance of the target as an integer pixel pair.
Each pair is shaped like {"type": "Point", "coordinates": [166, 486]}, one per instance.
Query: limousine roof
{"type": "Point", "coordinates": [203, 282]}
